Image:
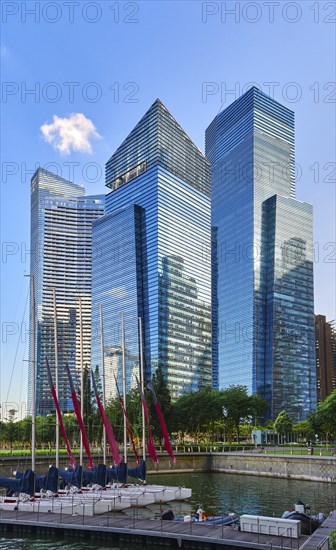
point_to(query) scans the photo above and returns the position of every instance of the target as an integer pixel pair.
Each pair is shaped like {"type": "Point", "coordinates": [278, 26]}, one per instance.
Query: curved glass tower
{"type": "Point", "coordinates": [263, 305]}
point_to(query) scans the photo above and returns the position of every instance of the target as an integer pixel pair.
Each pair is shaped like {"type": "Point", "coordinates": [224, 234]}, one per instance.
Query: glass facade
{"type": "Point", "coordinates": [158, 224]}
{"type": "Point", "coordinates": [61, 259]}
{"type": "Point", "coordinates": [289, 379]}
{"type": "Point", "coordinates": [251, 148]}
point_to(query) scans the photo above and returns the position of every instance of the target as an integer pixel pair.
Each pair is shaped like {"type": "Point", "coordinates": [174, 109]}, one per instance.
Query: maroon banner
{"type": "Point", "coordinates": [166, 440]}
{"type": "Point", "coordinates": [79, 419]}
{"type": "Point", "coordinates": [60, 418]}
{"type": "Point", "coordinates": [117, 458]}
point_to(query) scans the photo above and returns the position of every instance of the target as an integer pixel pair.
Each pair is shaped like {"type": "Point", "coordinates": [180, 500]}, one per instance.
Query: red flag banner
{"type": "Point", "coordinates": [60, 418]}
{"type": "Point", "coordinates": [166, 440]}
{"type": "Point", "coordinates": [150, 441]}
{"type": "Point", "coordinates": [117, 458]}
{"type": "Point", "coordinates": [79, 418]}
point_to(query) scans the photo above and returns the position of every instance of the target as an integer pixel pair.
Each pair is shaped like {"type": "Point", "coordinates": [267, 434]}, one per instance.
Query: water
{"type": "Point", "coordinates": [218, 493]}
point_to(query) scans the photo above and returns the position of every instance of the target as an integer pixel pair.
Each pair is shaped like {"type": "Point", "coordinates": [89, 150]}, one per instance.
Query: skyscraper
{"type": "Point", "coordinates": [263, 308]}
{"type": "Point", "coordinates": [154, 259]}
{"type": "Point", "coordinates": [325, 343]}
{"type": "Point", "coordinates": [61, 261]}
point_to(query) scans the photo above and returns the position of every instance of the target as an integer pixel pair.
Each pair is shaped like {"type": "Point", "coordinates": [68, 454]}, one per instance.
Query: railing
{"type": "Point", "coordinates": [284, 535]}
{"type": "Point", "coordinates": [324, 544]}
{"type": "Point", "coordinates": [115, 521]}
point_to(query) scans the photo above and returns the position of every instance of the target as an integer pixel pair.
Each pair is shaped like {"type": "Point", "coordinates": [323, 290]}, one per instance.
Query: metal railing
{"type": "Point", "coordinates": [324, 544]}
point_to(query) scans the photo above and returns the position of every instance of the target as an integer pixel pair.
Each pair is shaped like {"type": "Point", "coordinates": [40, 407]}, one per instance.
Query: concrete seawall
{"type": "Point", "coordinates": [285, 466]}
{"type": "Point", "coordinates": [311, 468]}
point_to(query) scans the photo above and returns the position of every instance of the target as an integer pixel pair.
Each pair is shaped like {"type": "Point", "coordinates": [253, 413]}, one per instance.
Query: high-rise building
{"type": "Point", "coordinates": [154, 258]}
{"type": "Point", "coordinates": [325, 345]}
{"type": "Point", "coordinates": [263, 308]}
{"type": "Point", "coordinates": [61, 262]}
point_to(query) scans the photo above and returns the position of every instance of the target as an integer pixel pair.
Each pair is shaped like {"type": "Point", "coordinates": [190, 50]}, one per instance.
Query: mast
{"type": "Point", "coordinates": [124, 383]}
{"type": "Point", "coordinates": [142, 382]}
{"type": "Point", "coordinates": [81, 376]}
{"type": "Point", "coordinates": [103, 376]}
{"type": "Point", "coordinates": [33, 369]}
{"type": "Point", "coordinates": [33, 364]}
{"type": "Point", "coordinates": [56, 376]}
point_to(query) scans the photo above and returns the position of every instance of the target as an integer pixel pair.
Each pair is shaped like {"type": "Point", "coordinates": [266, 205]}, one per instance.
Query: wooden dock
{"type": "Point", "coordinates": [119, 527]}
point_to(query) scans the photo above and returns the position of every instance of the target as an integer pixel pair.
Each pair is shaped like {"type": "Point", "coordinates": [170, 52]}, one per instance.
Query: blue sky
{"type": "Point", "coordinates": [109, 61]}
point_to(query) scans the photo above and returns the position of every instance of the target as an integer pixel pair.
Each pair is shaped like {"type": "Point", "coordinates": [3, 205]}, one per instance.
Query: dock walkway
{"type": "Point", "coordinates": [150, 531]}
{"type": "Point", "coordinates": [318, 539]}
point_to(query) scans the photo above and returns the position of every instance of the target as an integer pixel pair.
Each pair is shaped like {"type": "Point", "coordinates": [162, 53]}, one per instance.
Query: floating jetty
{"type": "Point", "coordinates": [154, 532]}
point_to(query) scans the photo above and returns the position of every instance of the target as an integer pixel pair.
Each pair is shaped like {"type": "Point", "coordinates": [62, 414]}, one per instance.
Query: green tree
{"type": "Point", "coordinates": [236, 405]}
{"type": "Point", "coordinates": [45, 430]}
{"type": "Point", "coordinates": [324, 418]}
{"type": "Point", "coordinates": [283, 423]}
{"type": "Point", "coordinates": [196, 413]}
{"type": "Point", "coordinates": [257, 407]}
{"type": "Point", "coordinates": [332, 540]}
{"type": "Point", "coordinates": [11, 428]}
{"type": "Point", "coordinates": [72, 429]}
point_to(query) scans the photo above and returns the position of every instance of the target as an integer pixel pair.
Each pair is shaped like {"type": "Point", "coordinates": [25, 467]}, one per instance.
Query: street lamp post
{"type": "Point", "coordinates": [225, 414]}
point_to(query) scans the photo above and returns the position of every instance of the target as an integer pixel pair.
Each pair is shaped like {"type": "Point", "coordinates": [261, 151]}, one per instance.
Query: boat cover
{"type": "Point", "coordinates": [139, 471]}
{"type": "Point", "coordinates": [25, 484]}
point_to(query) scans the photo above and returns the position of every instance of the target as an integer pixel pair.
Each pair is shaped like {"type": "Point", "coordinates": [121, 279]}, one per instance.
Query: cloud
{"type": "Point", "coordinates": [70, 134]}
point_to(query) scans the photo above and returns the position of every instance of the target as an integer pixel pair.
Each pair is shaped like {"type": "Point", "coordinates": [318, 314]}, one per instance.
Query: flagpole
{"type": "Point", "coordinates": [142, 382]}
{"type": "Point", "coordinates": [103, 375]}
{"type": "Point", "coordinates": [56, 376]}
{"type": "Point", "coordinates": [81, 376]}
{"type": "Point", "coordinates": [124, 383]}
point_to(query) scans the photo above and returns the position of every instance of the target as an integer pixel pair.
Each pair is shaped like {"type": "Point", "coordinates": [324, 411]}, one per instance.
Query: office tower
{"type": "Point", "coordinates": [325, 346]}
{"type": "Point", "coordinates": [154, 259]}
{"type": "Point", "coordinates": [263, 309]}
{"type": "Point", "coordinates": [61, 259]}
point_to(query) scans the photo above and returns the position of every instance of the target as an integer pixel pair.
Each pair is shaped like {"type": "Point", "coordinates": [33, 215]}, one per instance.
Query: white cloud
{"type": "Point", "coordinates": [72, 133]}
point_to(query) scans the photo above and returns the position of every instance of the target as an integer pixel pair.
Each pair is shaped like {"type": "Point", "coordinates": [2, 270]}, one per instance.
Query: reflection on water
{"type": "Point", "coordinates": [218, 493]}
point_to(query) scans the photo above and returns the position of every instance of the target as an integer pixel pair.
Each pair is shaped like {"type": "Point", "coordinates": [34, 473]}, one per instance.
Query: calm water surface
{"type": "Point", "coordinates": [218, 493]}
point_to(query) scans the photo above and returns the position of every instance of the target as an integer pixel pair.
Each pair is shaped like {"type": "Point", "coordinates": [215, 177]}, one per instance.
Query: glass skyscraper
{"type": "Point", "coordinates": [154, 256]}
{"type": "Point", "coordinates": [262, 250]}
{"type": "Point", "coordinates": [61, 259]}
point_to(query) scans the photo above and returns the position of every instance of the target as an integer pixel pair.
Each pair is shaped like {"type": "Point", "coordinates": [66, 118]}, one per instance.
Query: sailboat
{"type": "Point", "coordinates": [114, 496]}
{"type": "Point", "coordinates": [161, 493]}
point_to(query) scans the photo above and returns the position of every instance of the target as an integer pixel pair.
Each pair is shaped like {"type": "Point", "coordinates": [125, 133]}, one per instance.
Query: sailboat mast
{"type": "Point", "coordinates": [33, 324]}
{"type": "Point", "coordinates": [81, 376]}
{"type": "Point", "coordinates": [142, 382]}
{"type": "Point", "coordinates": [124, 383]}
{"type": "Point", "coordinates": [56, 377]}
{"type": "Point", "coordinates": [103, 375]}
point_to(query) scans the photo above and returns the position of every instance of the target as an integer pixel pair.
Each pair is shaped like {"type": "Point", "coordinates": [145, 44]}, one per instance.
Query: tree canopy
{"type": "Point", "coordinates": [283, 423]}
